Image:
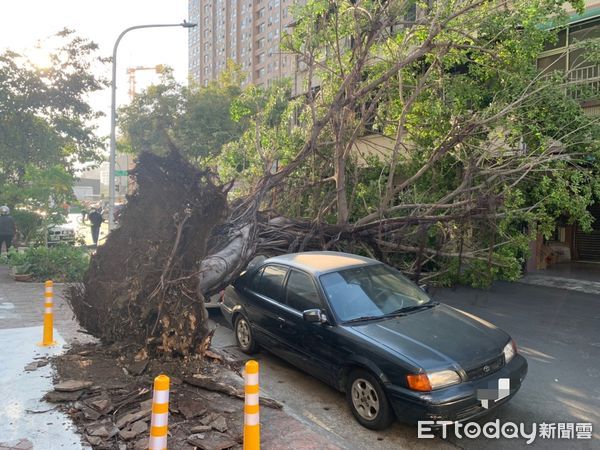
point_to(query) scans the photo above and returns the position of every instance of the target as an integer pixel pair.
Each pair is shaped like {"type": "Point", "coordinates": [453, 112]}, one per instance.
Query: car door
{"type": "Point", "coordinates": [264, 294]}
{"type": "Point", "coordinates": [311, 343]}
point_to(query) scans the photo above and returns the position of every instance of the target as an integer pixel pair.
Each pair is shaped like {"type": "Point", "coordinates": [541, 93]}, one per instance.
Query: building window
{"type": "Point", "coordinates": [260, 72]}
{"type": "Point", "coordinates": [260, 28]}
{"type": "Point", "coordinates": [569, 56]}
{"type": "Point", "coordinates": [274, 19]}
{"type": "Point", "coordinates": [260, 58]}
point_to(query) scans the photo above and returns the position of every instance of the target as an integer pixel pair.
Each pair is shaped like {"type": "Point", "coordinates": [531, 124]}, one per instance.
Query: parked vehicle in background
{"type": "Point", "coordinates": [362, 327]}
{"type": "Point", "coordinates": [61, 234]}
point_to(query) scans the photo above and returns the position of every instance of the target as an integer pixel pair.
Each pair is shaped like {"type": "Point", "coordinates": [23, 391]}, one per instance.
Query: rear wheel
{"type": "Point", "coordinates": [368, 401]}
{"type": "Point", "coordinates": [244, 336]}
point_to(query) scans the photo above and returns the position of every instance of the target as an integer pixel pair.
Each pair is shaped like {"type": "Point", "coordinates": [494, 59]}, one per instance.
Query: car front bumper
{"type": "Point", "coordinates": [455, 403]}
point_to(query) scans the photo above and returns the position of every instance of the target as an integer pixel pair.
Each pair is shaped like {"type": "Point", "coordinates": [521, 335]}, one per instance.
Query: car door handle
{"type": "Point", "coordinates": [281, 320]}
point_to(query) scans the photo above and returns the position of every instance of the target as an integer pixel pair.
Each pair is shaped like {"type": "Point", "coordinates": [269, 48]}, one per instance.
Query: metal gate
{"type": "Point", "coordinates": [588, 244]}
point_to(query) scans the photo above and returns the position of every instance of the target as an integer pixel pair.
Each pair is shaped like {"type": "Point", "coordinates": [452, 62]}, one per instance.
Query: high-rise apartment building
{"type": "Point", "coordinates": [248, 32]}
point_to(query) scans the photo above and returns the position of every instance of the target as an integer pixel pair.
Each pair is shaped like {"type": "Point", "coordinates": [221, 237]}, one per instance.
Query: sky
{"type": "Point", "coordinates": [25, 22]}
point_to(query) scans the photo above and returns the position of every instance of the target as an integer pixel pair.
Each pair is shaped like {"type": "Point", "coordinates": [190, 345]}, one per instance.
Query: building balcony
{"type": "Point", "coordinates": [585, 82]}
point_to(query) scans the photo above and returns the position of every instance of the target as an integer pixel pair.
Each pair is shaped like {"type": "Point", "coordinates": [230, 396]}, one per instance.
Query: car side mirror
{"type": "Point", "coordinates": [424, 287]}
{"type": "Point", "coordinates": [314, 316]}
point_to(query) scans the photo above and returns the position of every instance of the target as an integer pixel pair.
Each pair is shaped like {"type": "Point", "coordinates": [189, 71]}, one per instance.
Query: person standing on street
{"type": "Point", "coordinates": [96, 220]}
{"type": "Point", "coordinates": [7, 228]}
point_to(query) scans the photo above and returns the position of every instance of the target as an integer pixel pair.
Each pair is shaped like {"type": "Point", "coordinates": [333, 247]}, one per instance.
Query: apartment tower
{"type": "Point", "coordinates": [247, 32]}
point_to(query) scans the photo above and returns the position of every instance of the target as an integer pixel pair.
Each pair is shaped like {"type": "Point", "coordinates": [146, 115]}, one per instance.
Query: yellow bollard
{"type": "Point", "coordinates": [251, 406]}
{"type": "Point", "coordinates": [48, 337]}
{"type": "Point", "coordinates": [160, 414]}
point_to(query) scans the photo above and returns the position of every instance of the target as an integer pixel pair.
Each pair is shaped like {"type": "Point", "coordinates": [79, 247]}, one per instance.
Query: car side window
{"type": "Point", "coordinates": [301, 293]}
{"type": "Point", "coordinates": [271, 282]}
{"type": "Point", "coordinates": [255, 280]}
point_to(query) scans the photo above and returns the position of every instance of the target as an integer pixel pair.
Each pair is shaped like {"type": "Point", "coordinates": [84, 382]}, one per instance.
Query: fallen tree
{"type": "Point", "coordinates": [481, 153]}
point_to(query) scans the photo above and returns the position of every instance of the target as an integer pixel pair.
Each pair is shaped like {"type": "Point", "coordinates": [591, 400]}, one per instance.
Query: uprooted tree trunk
{"type": "Point", "coordinates": [141, 285]}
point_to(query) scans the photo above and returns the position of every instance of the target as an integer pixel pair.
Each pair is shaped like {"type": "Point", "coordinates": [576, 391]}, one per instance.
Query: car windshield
{"type": "Point", "coordinates": [371, 292]}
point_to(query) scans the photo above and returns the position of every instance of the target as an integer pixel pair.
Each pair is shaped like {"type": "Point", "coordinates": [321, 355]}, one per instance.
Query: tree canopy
{"type": "Point", "coordinates": [196, 119]}
{"type": "Point", "coordinates": [46, 123]}
{"type": "Point", "coordinates": [478, 150]}
{"type": "Point", "coordinates": [423, 134]}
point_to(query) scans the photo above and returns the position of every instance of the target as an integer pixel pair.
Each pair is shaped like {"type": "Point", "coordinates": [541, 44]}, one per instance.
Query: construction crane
{"type": "Point", "coordinates": [159, 68]}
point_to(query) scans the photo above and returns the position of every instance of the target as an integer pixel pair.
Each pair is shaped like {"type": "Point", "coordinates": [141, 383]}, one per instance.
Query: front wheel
{"type": "Point", "coordinates": [368, 401]}
{"type": "Point", "coordinates": [244, 336]}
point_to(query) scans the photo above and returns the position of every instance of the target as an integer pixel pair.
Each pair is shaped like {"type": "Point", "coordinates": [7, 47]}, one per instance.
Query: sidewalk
{"type": "Point", "coordinates": [580, 277]}
{"type": "Point", "coordinates": [27, 422]}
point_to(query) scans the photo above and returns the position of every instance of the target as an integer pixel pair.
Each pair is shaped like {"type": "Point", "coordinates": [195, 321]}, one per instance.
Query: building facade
{"type": "Point", "coordinates": [247, 32]}
{"type": "Point", "coordinates": [570, 57]}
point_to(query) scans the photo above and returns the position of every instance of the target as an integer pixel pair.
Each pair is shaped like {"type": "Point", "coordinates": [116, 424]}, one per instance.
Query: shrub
{"type": "Point", "coordinates": [62, 263]}
{"type": "Point", "coordinates": [28, 224]}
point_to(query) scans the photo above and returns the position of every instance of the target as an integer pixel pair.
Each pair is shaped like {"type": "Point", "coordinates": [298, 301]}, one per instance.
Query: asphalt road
{"type": "Point", "coordinates": [555, 329]}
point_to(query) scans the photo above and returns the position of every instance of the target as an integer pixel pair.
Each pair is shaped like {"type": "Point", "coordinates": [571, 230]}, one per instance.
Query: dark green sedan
{"type": "Point", "coordinates": [362, 327]}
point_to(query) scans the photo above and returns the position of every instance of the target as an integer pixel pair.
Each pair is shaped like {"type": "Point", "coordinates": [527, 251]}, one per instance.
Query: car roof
{"type": "Point", "coordinates": [321, 262]}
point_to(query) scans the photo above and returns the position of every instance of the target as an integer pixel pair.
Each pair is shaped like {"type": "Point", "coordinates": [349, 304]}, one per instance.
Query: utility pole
{"type": "Point", "coordinates": [113, 114]}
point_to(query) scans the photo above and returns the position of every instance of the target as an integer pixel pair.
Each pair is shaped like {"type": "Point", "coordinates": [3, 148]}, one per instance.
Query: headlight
{"type": "Point", "coordinates": [425, 382]}
{"type": "Point", "coordinates": [510, 350]}
{"type": "Point", "coordinates": [443, 378]}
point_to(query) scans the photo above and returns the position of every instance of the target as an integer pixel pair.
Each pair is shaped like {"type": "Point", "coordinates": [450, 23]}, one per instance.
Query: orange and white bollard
{"type": "Point", "coordinates": [48, 336]}
{"type": "Point", "coordinates": [159, 424]}
{"type": "Point", "coordinates": [251, 406]}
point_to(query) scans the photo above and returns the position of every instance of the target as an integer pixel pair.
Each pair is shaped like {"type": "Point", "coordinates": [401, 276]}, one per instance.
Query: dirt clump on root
{"type": "Point", "coordinates": [141, 285]}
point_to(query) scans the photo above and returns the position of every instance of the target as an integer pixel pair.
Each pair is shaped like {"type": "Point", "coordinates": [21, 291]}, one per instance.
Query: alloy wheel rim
{"type": "Point", "coordinates": [243, 333]}
{"type": "Point", "coordinates": [365, 399]}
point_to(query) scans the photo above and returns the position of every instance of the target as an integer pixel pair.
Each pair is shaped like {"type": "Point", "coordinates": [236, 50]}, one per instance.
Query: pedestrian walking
{"type": "Point", "coordinates": [96, 220]}
{"type": "Point", "coordinates": [7, 228]}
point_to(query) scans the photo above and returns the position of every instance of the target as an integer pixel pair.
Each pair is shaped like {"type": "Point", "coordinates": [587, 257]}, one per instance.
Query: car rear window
{"type": "Point", "coordinates": [271, 282]}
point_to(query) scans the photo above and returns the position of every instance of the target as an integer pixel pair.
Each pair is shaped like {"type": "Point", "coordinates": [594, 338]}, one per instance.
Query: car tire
{"type": "Point", "coordinates": [368, 401]}
{"type": "Point", "coordinates": [244, 335]}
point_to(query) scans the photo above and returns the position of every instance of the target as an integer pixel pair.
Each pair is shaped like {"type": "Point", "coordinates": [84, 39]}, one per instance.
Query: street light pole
{"type": "Point", "coordinates": [113, 115]}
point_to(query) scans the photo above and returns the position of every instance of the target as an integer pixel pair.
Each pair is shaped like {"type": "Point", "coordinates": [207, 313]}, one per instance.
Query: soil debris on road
{"type": "Point", "coordinates": [111, 404]}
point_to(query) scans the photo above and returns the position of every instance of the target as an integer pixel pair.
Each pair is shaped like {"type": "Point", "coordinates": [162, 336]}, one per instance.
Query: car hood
{"type": "Point", "coordinates": [437, 337]}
